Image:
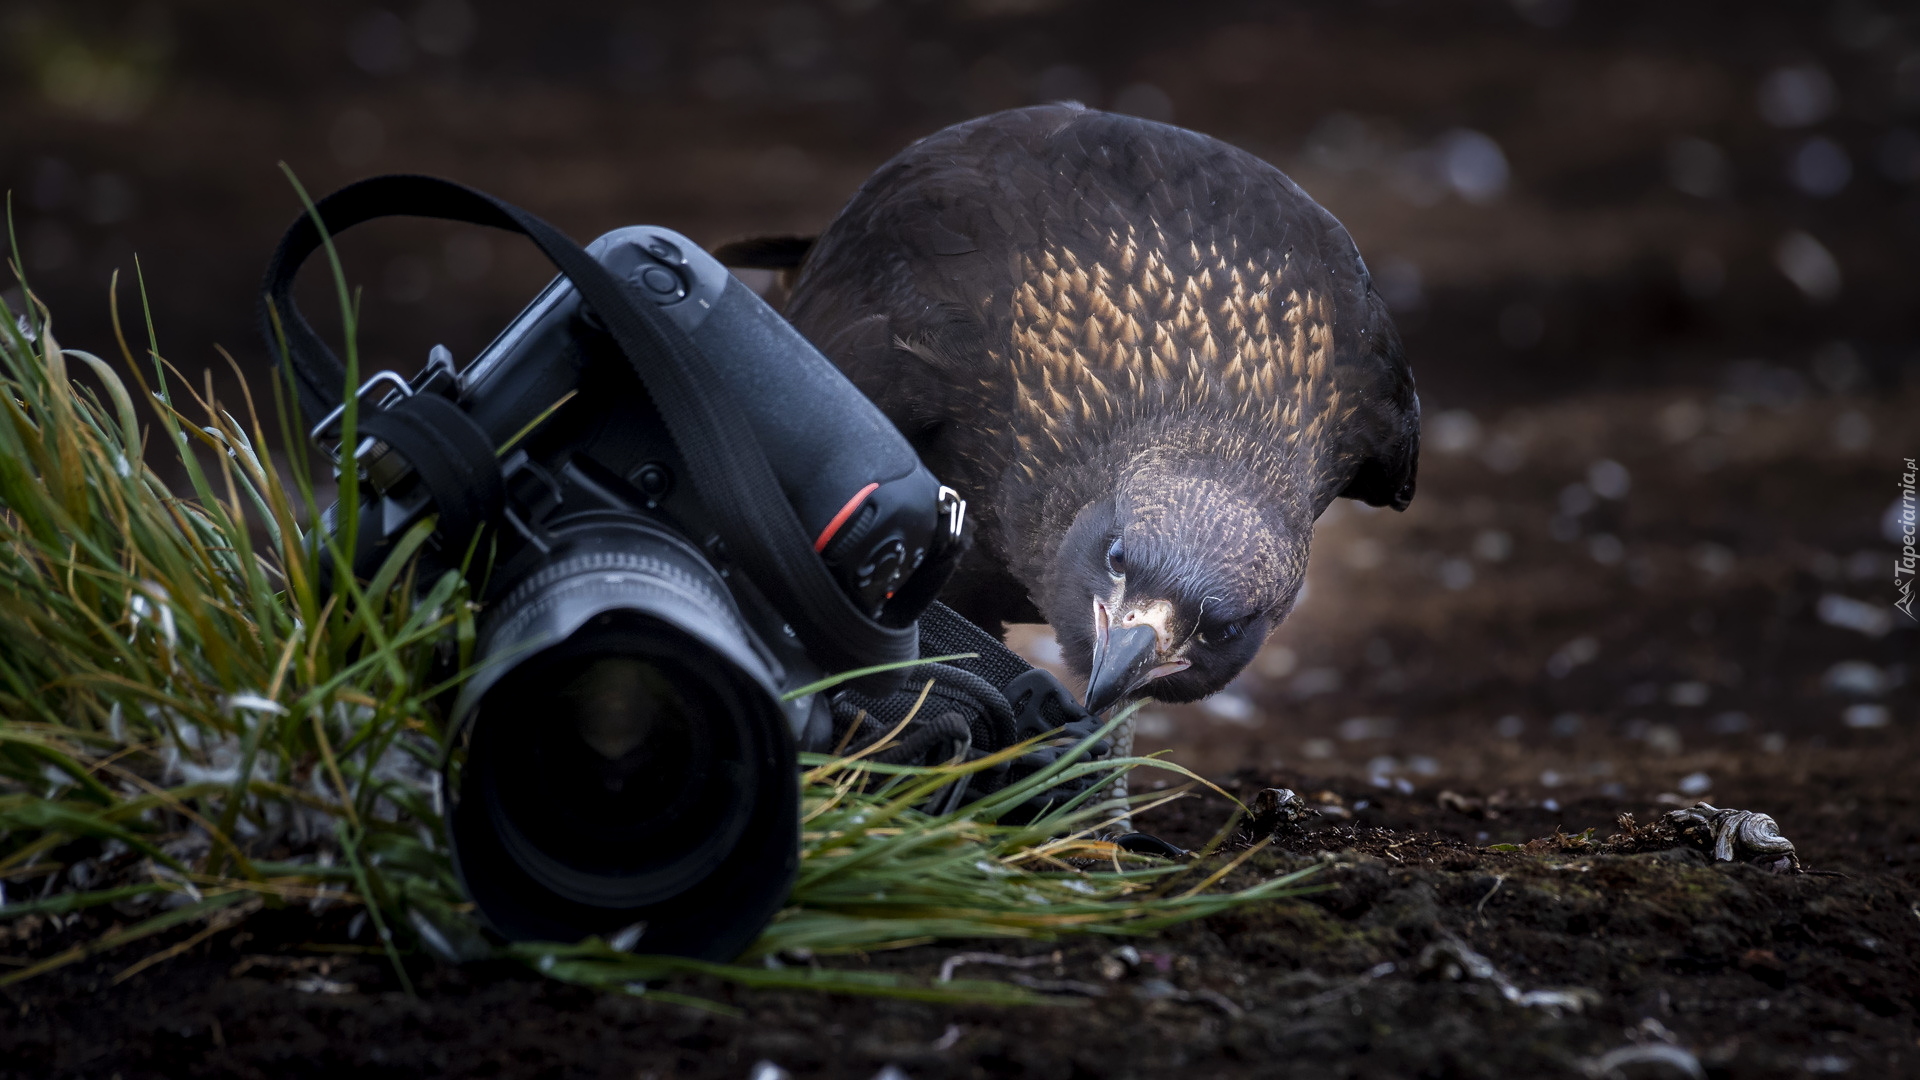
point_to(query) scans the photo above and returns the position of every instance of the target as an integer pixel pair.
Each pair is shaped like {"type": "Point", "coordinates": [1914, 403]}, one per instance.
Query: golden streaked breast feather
{"type": "Point", "coordinates": [1125, 336]}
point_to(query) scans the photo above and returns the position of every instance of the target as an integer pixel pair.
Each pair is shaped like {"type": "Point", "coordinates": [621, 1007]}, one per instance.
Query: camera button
{"type": "Point", "coordinates": [661, 280]}
{"type": "Point", "coordinates": [653, 479]}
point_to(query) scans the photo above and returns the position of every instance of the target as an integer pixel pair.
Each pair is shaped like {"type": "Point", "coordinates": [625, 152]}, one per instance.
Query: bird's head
{"type": "Point", "coordinates": [1170, 585]}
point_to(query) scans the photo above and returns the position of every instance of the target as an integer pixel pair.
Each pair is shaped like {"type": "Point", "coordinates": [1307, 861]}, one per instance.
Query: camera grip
{"type": "Point", "coordinates": [887, 531]}
{"type": "Point", "coordinates": [855, 483]}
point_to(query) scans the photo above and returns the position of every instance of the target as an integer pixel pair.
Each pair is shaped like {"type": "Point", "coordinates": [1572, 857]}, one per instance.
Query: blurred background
{"type": "Point", "coordinates": [1655, 265]}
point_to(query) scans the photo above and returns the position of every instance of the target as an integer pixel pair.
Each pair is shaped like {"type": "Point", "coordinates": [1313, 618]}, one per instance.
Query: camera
{"type": "Point", "coordinates": [676, 513]}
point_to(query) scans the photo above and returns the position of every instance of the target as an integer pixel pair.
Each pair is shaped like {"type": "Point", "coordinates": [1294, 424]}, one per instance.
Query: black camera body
{"type": "Point", "coordinates": [592, 432]}
{"type": "Point", "coordinates": [625, 746]}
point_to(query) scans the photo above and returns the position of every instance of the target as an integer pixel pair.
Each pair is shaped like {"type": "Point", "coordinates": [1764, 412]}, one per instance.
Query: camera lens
{"type": "Point", "coordinates": [632, 728]}
{"type": "Point", "coordinates": [619, 772]}
{"type": "Point", "coordinates": [626, 758]}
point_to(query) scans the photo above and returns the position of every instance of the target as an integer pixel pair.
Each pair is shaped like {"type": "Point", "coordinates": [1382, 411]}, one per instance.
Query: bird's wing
{"type": "Point", "coordinates": [1064, 272]}
{"type": "Point", "coordinates": [1386, 440]}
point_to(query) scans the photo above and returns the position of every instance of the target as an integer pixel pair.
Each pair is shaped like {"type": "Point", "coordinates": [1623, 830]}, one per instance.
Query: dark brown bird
{"type": "Point", "coordinates": [1146, 358]}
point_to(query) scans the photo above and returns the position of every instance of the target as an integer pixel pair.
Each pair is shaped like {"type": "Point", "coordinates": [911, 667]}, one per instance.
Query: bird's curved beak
{"type": "Point", "coordinates": [1128, 656]}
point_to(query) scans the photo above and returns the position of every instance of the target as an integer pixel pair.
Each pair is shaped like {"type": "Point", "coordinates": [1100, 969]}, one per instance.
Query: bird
{"type": "Point", "coordinates": [1146, 359]}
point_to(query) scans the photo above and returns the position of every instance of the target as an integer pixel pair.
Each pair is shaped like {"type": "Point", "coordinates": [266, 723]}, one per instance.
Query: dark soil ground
{"type": "Point", "coordinates": [1754, 973]}
{"type": "Point", "coordinates": [1646, 565]}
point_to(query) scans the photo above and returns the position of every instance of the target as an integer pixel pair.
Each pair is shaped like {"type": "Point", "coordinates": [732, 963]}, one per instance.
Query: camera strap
{"type": "Point", "coordinates": [752, 515]}
{"type": "Point", "coordinates": [450, 454]}
{"type": "Point", "coordinates": [992, 697]}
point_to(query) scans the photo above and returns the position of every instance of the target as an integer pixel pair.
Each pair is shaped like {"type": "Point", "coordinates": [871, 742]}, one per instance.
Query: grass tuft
{"type": "Point", "coordinates": [193, 727]}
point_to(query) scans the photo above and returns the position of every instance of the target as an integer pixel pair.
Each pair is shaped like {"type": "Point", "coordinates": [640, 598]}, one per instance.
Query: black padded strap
{"type": "Point", "coordinates": [989, 718]}
{"type": "Point", "coordinates": [1007, 698]}
{"type": "Point", "coordinates": [725, 461]}
{"type": "Point", "coordinates": [943, 633]}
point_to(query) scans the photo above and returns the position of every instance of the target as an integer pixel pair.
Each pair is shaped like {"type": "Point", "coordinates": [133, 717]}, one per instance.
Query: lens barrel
{"type": "Point", "coordinates": [626, 755]}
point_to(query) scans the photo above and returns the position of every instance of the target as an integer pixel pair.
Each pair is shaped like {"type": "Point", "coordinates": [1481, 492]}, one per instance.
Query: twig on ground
{"type": "Point", "coordinates": [953, 963]}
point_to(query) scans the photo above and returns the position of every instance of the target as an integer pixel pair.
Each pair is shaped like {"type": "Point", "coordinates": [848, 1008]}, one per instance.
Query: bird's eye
{"type": "Point", "coordinates": [1227, 631]}
{"type": "Point", "coordinates": [1116, 560]}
